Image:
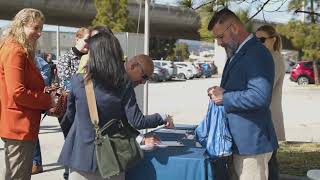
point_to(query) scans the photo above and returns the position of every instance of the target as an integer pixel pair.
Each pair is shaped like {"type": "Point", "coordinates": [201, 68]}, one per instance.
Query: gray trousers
{"type": "Point", "coordinates": [81, 175]}
{"type": "Point", "coordinates": [18, 157]}
{"type": "Point", "coordinates": [251, 167]}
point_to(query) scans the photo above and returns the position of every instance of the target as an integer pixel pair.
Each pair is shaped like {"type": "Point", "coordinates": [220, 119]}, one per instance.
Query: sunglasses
{"type": "Point", "coordinates": [263, 39]}
{"type": "Point", "coordinates": [86, 40]}
{"type": "Point", "coordinates": [145, 77]}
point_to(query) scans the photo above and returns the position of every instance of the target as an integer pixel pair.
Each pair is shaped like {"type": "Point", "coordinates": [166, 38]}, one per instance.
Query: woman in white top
{"type": "Point", "coordinates": [271, 39]}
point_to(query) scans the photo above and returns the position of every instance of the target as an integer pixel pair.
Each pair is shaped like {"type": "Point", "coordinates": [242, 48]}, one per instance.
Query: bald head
{"type": "Point", "coordinates": [145, 61]}
{"type": "Point", "coordinates": [139, 68]}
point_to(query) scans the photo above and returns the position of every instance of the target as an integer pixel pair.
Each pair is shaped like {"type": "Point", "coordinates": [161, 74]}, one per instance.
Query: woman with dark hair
{"type": "Point", "coordinates": [271, 39]}
{"type": "Point", "coordinates": [115, 100]}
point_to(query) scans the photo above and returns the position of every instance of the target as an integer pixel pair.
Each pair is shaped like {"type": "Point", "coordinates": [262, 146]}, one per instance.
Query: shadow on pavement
{"type": "Point", "coordinates": [57, 130]}
{"type": "Point", "coordinates": [49, 127]}
{"type": "Point", "coordinates": [52, 164]}
{"type": "Point", "coordinates": [1, 149]}
{"type": "Point", "coordinates": [169, 81]}
{"type": "Point", "coordinates": [54, 169]}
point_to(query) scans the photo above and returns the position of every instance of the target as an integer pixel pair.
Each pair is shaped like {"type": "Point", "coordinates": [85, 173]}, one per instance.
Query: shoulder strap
{"type": "Point", "coordinates": [92, 103]}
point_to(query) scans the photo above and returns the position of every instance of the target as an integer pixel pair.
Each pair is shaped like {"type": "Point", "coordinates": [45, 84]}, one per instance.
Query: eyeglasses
{"type": "Point", "coordinates": [144, 75]}
{"type": "Point", "coordinates": [86, 40]}
{"type": "Point", "coordinates": [222, 34]}
{"type": "Point", "coordinates": [263, 39]}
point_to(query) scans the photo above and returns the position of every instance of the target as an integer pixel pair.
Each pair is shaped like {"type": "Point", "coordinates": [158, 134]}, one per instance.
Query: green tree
{"type": "Point", "coordinates": [205, 17]}
{"type": "Point", "coordinates": [180, 52]}
{"type": "Point", "coordinates": [305, 38]}
{"type": "Point", "coordinates": [161, 47]}
{"type": "Point", "coordinates": [310, 6]}
{"type": "Point", "coordinates": [111, 13]}
{"type": "Point", "coordinates": [186, 3]}
{"type": "Point", "coordinates": [244, 17]}
{"type": "Point", "coordinates": [206, 12]}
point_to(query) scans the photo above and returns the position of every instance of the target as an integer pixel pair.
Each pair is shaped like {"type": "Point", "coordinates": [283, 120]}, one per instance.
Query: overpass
{"type": "Point", "coordinates": [164, 20]}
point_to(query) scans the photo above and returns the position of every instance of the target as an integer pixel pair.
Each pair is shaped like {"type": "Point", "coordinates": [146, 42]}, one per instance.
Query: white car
{"type": "Point", "coordinates": [195, 71]}
{"type": "Point", "coordinates": [168, 65]}
{"type": "Point", "coordinates": [184, 72]}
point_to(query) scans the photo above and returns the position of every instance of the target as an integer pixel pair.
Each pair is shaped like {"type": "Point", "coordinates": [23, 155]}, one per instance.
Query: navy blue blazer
{"type": "Point", "coordinates": [78, 151]}
{"type": "Point", "coordinates": [248, 82]}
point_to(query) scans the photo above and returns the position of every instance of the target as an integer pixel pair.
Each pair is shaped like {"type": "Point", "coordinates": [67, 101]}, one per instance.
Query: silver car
{"type": "Point", "coordinates": [159, 74]}
{"type": "Point", "coordinates": [168, 65]}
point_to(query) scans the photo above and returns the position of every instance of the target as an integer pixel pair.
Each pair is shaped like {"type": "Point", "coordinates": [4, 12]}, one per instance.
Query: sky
{"type": "Point", "coordinates": [280, 17]}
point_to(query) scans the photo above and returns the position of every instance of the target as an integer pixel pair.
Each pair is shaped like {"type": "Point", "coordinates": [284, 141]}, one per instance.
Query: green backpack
{"type": "Point", "coordinates": [115, 143]}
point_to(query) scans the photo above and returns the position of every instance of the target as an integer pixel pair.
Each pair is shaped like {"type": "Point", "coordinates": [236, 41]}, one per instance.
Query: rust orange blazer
{"type": "Point", "coordinates": [22, 97]}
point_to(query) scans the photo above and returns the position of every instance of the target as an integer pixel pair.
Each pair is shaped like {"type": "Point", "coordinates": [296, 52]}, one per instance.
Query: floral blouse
{"type": "Point", "coordinates": [67, 66]}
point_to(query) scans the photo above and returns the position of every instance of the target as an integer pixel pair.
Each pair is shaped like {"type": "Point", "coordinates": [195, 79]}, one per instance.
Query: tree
{"type": "Point", "coordinates": [310, 6]}
{"type": "Point", "coordinates": [186, 3]}
{"type": "Point", "coordinates": [310, 46]}
{"type": "Point", "coordinates": [305, 38]}
{"type": "Point", "coordinates": [244, 17]}
{"type": "Point", "coordinates": [206, 11]}
{"type": "Point", "coordinates": [111, 13]}
{"type": "Point", "coordinates": [180, 52]}
{"type": "Point", "coordinates": [161, 48]}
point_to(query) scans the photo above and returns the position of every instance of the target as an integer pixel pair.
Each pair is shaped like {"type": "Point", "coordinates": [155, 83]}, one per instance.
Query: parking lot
{"type": "Point", "coordinates": [187, 102]}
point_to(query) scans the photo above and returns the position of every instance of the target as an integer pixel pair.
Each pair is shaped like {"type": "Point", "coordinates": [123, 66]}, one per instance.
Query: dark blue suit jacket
{"type": "Point", "coordinates": [248, 81]}
{"type": "Point", "coordinates": [78, 151]}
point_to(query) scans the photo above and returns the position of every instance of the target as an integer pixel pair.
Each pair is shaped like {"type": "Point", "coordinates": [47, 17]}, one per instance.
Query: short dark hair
{"type": "Point", "coordinates": [221, 16]}
{"type": "Point", "coordinates": [105, 63]}
{"type": "Point", "coordinates": [102, 29]}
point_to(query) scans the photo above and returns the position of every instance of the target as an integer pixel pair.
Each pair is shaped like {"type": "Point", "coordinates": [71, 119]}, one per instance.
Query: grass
{"type": "Point", "coordinates": [297, 158]}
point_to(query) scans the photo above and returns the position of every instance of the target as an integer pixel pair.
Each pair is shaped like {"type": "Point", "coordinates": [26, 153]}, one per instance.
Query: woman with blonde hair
{"type": "Point", "coordinates": [23, 93]}
{"type": "Point", "coordinates": [272, 40]}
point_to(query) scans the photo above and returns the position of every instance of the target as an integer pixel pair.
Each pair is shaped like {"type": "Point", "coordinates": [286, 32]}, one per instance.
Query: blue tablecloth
{"type": "Point", "coordinates": [174, 163]}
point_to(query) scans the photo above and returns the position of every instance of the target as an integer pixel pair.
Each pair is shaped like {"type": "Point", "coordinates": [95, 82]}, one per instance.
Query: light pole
{"type": "Point", "coordinates": [146, 52]}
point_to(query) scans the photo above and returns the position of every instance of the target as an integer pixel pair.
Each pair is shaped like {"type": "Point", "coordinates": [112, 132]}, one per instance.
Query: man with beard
{"type": "Point", "coordinates": [245, 92]}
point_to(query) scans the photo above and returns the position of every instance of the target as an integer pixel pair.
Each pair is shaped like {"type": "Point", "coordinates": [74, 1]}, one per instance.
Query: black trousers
{"type": "Point", "coordinates": [274, 173]}
{"type": "Point", "coordinates": [65, 125]}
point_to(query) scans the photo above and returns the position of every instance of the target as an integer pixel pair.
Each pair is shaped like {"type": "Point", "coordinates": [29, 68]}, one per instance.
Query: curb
{"type": "Point", "coordinates": [289, 177]}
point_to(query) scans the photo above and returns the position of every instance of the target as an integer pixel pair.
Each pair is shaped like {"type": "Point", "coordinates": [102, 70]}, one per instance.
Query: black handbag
{"type": "Point", "coordinates": [116, 146]}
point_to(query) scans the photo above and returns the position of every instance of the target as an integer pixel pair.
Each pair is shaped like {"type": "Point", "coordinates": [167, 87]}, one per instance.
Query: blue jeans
{"type": "Point", "coordinates": [37, 159]}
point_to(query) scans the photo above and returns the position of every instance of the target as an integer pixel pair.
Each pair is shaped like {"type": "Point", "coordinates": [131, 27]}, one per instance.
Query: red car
{"type": "Point", "coordinates": [302, 72]}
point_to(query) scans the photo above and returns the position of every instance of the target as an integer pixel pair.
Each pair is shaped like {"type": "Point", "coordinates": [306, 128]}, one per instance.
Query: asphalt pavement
{"type": "Point", "coordinates": [187, 101]}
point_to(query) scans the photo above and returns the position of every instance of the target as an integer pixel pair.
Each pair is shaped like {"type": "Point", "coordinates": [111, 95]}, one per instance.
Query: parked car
{"type": "Point", "coordinates": [214, 68]}
{"type": "Point", "coordinates": [184, 72]}
{"type": "Point", "coordinates": [168, 65]}
{"type": "Point", "coordinates": [196, 72]}
{"type": "Point", "coordinates": [289, 65]}
{"type": "Point", "coordinates": [206, 69]}
{"type": "Point", "coordinates": [302, 72]}
{"type": "Point", "coordinates": [159, 74]}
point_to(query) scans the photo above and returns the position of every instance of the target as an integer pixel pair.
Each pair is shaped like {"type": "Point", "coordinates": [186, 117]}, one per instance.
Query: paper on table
{"type": "Point", "coordinates": [171, 143]}
{"type": "Point", "coordinates": [163, 144]}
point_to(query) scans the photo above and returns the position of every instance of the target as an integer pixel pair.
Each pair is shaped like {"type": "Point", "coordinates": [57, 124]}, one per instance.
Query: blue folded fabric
{"type": "Point", "coordinates": [213, 132]}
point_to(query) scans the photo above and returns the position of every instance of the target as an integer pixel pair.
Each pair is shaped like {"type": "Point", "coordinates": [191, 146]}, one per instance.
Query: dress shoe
{"type": "Point", "coordinates": [36, 169]}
